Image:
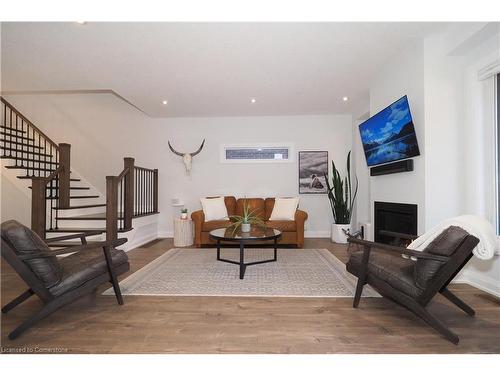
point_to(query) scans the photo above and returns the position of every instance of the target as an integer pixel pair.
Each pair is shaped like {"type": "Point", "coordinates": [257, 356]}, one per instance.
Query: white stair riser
{"type": "Point", "coordinates": [84, 224]}
{"type": "Point", "coordinates": [81, 211]}
{"type": "Point", "coordinates": [100, 237]}
{"type": "Point", "coordinates": [85, 201]}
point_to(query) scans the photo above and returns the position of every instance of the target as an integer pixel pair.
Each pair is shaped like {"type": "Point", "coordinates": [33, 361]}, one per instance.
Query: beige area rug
{"type": "Point", "coordinates": [196, 272]}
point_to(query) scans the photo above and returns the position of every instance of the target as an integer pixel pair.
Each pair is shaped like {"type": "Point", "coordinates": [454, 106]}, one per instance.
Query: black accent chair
{"type": "Point", "coordinates": [59, 281]}
{"type": "Point", "coordinates": [414, 282]}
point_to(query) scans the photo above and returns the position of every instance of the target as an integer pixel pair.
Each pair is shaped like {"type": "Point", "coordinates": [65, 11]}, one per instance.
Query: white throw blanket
{"type": "Point", "coordinates": [474, 225]}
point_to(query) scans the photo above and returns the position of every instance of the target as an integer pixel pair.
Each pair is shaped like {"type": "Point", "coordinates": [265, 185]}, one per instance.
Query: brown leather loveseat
{"type": "Point", "coordinates": [292, 230]}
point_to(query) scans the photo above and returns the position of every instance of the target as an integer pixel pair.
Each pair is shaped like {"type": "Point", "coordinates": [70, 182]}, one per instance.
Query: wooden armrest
{"type": "Point", "coordinates": [72, 236]}
{"type": "Point", "coordinates": [398, 235]}
{"type": "Point", "coordinates": [74, 249]}
{"type": "Point", "coordinates": [395, 249]}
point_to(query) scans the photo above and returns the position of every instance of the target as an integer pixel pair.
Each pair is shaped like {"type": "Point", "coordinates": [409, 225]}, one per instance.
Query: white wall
{"type": "Point", "coordinates": [91, 123]}
{"type": "Point", "coordinates": [15, 202]}
{"type": "Point", "coordinates": [444, 142]}
{"type": "Point", "coordinates": [402, 75]}
{"type": "Point", "coordinates": [478, 169]}
{"type": "Point", "coordinates": [453, 114]}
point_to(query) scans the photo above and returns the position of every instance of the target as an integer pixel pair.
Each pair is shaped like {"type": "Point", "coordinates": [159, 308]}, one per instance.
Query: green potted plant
{"type": "Point", "coordinates": [184, 213]}
{"type": "Point", "coordinates": [341, 197]}
{"type": "Point", "coordinates": [246, 220]}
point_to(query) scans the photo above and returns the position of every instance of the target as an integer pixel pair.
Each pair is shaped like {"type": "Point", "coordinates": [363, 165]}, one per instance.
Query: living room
{"type": "Point", "coordinates": [160, 142]}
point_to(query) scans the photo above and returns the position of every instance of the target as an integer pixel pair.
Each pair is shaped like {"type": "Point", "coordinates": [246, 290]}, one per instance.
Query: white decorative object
{"type": "Point", "coordinates": [187, 157]}
{"type": "Point", "coordinates": [338, 235]}
{"type": "Point", "coordinates": [245, 227]}
{"type": "Point", "coordinates": [284, 208]}
{"type": "Point", "coordinates": [214, 208]}
{"type": "Point", "coordinates": [183, 232]}
{"type": "Point", "coordinates": [474, 225]}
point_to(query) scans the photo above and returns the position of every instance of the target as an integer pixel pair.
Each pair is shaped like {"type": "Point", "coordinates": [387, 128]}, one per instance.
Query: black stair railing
{"type": "Point", "coordinates": [133, 193]}
{"type": "Point", "coordinates": [35, 153]}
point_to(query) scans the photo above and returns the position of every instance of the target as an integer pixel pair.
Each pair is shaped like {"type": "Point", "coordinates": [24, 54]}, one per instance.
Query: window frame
{"type": "Point", "coordinates": [289, 146]}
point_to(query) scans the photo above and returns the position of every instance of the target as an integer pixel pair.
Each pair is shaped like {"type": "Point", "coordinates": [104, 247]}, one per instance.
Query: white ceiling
{"type": "Point", "coordinates": [207, 69]}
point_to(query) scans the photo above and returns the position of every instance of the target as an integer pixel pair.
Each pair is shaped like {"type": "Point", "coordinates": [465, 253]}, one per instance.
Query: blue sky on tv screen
{"type": "Point", "coordinates": [387, 122]}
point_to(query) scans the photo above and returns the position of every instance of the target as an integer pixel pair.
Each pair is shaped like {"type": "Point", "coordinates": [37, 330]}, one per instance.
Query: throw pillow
{"type": "Point", "coordinates": [214, 208]}
{"type": "Point", "coordinates": [284, 209]}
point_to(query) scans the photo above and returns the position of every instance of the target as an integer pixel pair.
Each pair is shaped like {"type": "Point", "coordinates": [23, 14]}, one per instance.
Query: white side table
{"type": "Point", "coordinates": [183, 232]}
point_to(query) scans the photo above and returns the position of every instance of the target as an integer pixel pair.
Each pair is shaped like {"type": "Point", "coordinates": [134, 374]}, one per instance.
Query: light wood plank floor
{"type": "Point", "coordinates": [248, 325]}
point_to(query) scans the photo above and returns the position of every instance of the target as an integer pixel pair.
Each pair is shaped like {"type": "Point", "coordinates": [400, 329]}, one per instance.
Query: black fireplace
{"type": "Point", "coordinates": [394, 217]}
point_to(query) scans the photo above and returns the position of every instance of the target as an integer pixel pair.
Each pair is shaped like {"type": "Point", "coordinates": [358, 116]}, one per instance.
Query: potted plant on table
{"type": "Point", "coordinates": [246, 220]}
{"type": "Point", "coordinates": [341, 197]}
{"type": "Point", "coordinates": [184, 214]}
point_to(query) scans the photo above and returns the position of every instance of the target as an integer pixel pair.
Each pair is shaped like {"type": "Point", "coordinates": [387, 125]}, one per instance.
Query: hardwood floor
{"type": "Point", "coordinates": [247, 325]}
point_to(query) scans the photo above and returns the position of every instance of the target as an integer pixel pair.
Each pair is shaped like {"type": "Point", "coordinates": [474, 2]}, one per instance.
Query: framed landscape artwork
{"type": "Point", "coordinates": [313, 165]}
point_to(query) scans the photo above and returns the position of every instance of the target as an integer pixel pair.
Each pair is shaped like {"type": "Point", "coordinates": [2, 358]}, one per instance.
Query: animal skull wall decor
{"type": "Point", "coordinates": [187, 158]}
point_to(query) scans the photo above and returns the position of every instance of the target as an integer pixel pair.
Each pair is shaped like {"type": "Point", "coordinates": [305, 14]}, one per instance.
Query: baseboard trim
{"type": "Point", "coordinates": [317, 234]}
{"type": "Point", "coordinates": [479, 281]}
{"type": "Point", "coordinates": [165, 234]}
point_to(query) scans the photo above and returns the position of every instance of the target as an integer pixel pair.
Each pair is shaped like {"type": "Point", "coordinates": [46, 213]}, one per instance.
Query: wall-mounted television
{"type": "Point", "coordinates": [389, 135]}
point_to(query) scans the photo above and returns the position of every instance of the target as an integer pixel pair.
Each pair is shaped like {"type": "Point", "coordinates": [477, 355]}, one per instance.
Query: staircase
{"type": "Point", "coordinates": [62, 202]}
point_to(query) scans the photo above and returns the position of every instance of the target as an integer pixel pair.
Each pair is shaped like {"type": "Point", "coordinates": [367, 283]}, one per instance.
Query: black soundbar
{"type": "Point", "coordinates": [396, 167]}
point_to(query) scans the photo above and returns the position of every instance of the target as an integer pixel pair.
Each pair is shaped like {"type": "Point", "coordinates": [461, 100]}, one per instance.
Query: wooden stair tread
{"type": "Point", "coordinates": [19, 143]}
{"type": "Point", "coordinates": [76, 230]}
{"type": "Point", "coordinates": [82, 206]}
{"type": "Point", "coordinates": [83, 230]}
{"type": "Point", "coordinates": [18, 151]}
{"type": "Point", "coordinates": [30, 168]}
{"type": "Point", "coordinates": [70, 243]}
{"type": "Point", "coordinates": [13, 129]}
{"type": "Point", "coordinates": [38, 161]}
{"type": "Point", "coordinates": [98, 216]}
{"type": "Point", "coordinates": [70, 188]}
{"type": "Point", "coordinates": [76, 197]}
{"type": "Point", "coordinates": [30, 177]}
{"type": "Point", "coordinates": [17, 136]}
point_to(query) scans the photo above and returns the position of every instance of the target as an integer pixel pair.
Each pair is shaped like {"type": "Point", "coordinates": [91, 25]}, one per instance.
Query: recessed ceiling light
{"type": "Point", "coordinates": [345, 98]}
{"type": "Point", "coordinates": [81, 22]}
{"type": "Point", "coordinates": [164, 102]}
{"type": "Point", "coordinates": [253, 100]}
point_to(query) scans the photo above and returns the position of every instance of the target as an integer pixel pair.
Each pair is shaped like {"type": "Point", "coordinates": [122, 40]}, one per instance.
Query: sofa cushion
{"type": "Point", "coordinates": [391, 268]}
{"type": "Point", "coordinates": [282, 225]}
{"type": "Point", "coordinates": [214, 208]}
{"type": "Point", "coordinates": [284, 208]}
{"type": "Point", "coordinates": [254, 204]}
{"type": "Point", "coordinates": [83, 266]}
{"type": "Point", "coordinates": [445, 244]}
{"type": "Point", "coordinates": [269, 205]}
{"type": "Point", "coordinates": [207, 226]}
{"type": "Point", "coordinates": [26, 242]}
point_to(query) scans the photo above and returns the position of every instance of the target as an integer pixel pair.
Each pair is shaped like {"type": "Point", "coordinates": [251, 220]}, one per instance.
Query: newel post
{"type": "Point", "coordinates": [129, 193]}
{"type": "Point", "coordinates": [64, 175]}
{"type": "Point", "coordinates": [38, 205]}
{"type": "Point", "coordinates": [111, 208]}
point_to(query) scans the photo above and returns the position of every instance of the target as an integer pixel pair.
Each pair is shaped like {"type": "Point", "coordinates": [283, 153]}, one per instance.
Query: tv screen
{"type": "Point", "coordinates": [389, 135]}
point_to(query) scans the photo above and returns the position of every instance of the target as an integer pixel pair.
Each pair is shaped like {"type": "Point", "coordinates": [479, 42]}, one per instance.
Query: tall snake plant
{"type": "Point", "coordinates": [340, 193]}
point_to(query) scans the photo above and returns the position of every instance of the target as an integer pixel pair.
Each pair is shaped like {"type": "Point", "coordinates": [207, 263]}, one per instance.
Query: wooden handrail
{"type": "Point", "coordinates": [13, 109]}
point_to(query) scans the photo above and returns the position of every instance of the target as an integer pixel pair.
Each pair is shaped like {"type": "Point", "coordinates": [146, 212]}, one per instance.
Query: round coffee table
{"type": "Point", "coordinates": [255, 234]}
